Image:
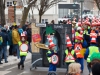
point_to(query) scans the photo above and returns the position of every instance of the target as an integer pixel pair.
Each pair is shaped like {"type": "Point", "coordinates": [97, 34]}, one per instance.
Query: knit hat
{"type": "Point", "coordinates": [14, 24]}
{"type": "Point", "coordinates": [95, 55]}
{"type": "Point", "coordinates": [49, 30]}
{"type": "Point", "coordinates": [69, 44]}
{"type": "Point", "coordinates": [51, 44]}
{"type": "Point", "coordinates": [23, 35]}
{"type": "Point", "coordinates": [93, 40]}
{"type": "Point", "coordinates": [93, 36]}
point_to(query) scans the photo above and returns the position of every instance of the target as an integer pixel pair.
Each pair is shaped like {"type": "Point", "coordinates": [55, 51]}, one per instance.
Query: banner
{"type": "Point", "coordinates": [36, 37]}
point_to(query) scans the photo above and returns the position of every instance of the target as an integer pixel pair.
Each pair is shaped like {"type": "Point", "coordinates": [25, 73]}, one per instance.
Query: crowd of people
{"type": "Point", "coordinates": [85, 43]}
{"type": "Point", "coordinates": [86, 35]}
{"type": "Point", "coordinates": [10, 36]}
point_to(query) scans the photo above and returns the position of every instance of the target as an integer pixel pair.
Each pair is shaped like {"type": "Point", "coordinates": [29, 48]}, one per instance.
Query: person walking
{"type": "Point", "coordinates": [29, 37]}
{"type": "Point", "coordinates": [78, 48]}
{"type": "Point", "coordinates": [1, 50]}
{"type": "Point", "coordinates": [69, 54]}
{"type": "Point", "coordinates": [15, 40]}
{"type": "Point", "coordinates": [52, 55]}
{"type": "Point", "coordinates": [4, 44]}
{"type": "Point", "coordinates": [89, 51]}
{"type": "Point", "coordinates": [23, 47]}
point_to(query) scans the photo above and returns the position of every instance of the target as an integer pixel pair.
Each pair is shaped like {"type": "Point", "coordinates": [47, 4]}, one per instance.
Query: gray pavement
{"type": "Point", "coordinates": [13, 70]}
{"type": "Point", "coordinates": [10, 68]}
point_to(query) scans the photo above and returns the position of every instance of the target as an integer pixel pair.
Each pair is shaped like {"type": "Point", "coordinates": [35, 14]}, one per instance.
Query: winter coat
{"type": "Point", "coordinates": [15, 36]}
{"type": "Point", "coordinates": [29, 35]}
{"type": "Point", "coordinates": [10, 36]}
{"type": "Point", "coordinates": [5, 38]}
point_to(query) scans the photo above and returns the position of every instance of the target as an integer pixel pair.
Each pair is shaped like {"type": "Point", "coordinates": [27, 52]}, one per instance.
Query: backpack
{"type": "Point", "coordinates": [1, 40]}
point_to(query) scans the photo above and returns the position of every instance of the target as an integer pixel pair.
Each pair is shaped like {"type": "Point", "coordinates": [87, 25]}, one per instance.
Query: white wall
{"type": "Point", "coordinates": [51, 14]}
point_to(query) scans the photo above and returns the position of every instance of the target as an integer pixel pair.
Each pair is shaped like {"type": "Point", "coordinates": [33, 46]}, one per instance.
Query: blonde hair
{"type": "Point", "coordinates": [74, 68]}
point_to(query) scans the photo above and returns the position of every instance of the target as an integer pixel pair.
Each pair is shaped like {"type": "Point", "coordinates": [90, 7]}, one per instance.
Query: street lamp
{"type": "Point", "coordinates": [81, 9]}
{"type": "Point", "coordinates": [14, 2]}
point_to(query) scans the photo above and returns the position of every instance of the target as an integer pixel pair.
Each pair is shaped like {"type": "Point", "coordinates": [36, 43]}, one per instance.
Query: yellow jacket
{"type": "Point", "coordinates": [15, 36]}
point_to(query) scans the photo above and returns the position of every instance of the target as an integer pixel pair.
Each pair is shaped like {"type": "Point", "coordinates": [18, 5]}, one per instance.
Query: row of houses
{"type": "Point", "coordinates": [64, 9]}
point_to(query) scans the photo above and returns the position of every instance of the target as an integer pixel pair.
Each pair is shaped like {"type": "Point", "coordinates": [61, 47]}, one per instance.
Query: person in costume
{"type": "Point", "coordinates": [95, 58]}
{"type": "Point", "coordinates": [89, 51]}
{"type": "Point", "coordinates": [23, 47]}
{"type": "Point", "coordinates": [51, 32]}
{"type": "Point", "coordinates": [78, 48]}
{"type": "Point", "coordinates": [69, 54]}
{"type": "Point", "coordinates": [52, 60]}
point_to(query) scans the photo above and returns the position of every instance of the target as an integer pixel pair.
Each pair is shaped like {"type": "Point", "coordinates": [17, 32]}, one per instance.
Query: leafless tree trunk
{"type": "Point", "coordinates": [2, 12]}
{"type": "Point", "coordinates": [98, 3]}
{"type": "Point", "coordinates": [44, 5]}
{"type": "Point", "coordinates": [26, 10]}
{"type": "Point", "coordinates": [32, 13]}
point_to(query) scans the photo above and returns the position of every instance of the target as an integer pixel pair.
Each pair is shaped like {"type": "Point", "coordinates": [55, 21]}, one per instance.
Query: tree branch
{"type": "Point", "coordinates": [97, 3]}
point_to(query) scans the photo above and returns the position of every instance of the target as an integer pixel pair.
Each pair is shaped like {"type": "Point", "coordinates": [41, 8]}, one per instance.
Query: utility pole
{"type": "Point", "coordinates": [81, 9]}
{"type": "Point", "coordinates": [14, 2]}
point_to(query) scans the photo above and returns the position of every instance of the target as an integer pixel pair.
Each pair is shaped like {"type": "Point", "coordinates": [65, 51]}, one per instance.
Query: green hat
{"type": "Point", "coordinates": [95, 56]}
{"type": "Point", "coordinates": [49, 30]}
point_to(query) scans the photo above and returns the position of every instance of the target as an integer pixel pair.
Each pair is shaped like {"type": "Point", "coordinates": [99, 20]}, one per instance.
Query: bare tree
{"type": "Point", "coordinates": [2, 12]}
{"type": "Point", "coordinates": [98, 3]}
{"type": "Point", "coordinates": [44, 5]}
{"type": "Point", "coordinates": [26, 10]}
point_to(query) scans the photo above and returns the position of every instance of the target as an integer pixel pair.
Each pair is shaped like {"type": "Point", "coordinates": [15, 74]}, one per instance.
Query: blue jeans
{"type": "Point", "coordinates": [16, 49]}
{"type": "Point", "coordinates": [52, 67]}
{"type": "Point", "coordinates": [1, 51]}
{"type": "Point", "coordinates": [22, 60]}
{"type": "Point", "coordinates": [81, 61]}
{"type": "Point", "coordinates": [4, 48]}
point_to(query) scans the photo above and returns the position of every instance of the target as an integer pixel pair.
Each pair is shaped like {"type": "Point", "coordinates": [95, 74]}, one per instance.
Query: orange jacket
{"type": "Point", "coordinates": [77, 49]}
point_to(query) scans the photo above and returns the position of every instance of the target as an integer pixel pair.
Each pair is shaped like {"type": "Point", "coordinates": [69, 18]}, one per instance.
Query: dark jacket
{"type": "Point", "coordinates": [5, 38]}
{"type": "Point", "coordinates": [10, 36]}
{"type": "Point", "coordinates": [29, 35]}
{"type": "Point", "coordinates": [24, 27]}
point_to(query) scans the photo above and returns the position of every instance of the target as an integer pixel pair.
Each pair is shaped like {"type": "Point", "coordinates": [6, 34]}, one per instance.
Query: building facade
{"type": "Point", "coordinates": [53, 13]}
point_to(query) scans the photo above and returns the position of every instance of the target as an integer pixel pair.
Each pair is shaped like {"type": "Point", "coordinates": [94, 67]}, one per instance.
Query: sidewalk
{"type": "Point", "coordinates": [13, 60]}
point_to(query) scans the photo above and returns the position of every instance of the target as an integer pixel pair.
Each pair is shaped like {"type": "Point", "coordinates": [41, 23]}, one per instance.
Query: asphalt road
{"type": "Point", "coordinates": [13, 70]}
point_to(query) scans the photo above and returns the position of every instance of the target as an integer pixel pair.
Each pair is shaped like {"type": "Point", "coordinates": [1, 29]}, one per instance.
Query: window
{"type": "Point", "coordinates": [19, 20]}
{"type": "Point", "coordinates": [64, 0]}
{"type": "Point", "coordinates": [44, 20]}
{"type": "Point", "coordinates": [9, 4]}
{"type": "Point", "coordinates": [63, 13]}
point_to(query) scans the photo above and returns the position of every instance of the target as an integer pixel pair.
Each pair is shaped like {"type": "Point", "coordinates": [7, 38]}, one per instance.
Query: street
{"type": "Point", "coordinates": [13, 70]}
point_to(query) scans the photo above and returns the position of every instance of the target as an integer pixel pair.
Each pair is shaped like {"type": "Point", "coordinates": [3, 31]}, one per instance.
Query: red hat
{"type": "Point", "coordinates": [23, 35]}
{"type": "Point", "coordinates": [93, 40]}
{"type": "Point", "coordinates": [80, 37]}
{"type": "Point", "coordinates": [51, 44]}
{"type": "Point", "coordinates": [79, 24]}
{"type": "Point", "coordinates": [69, 44]}
{"type": "Point", "coordinates": [93, 34]}
{"type": "Point", "coordinates": [94, 23]}
{"type": "Point", "coordinates": [81, 31]}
